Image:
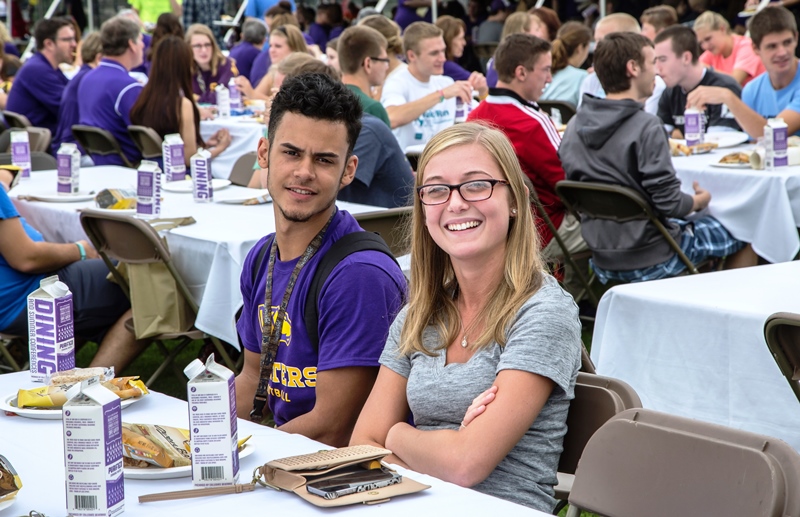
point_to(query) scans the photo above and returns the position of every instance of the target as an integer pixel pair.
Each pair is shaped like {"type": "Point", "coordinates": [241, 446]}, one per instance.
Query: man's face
{"type": "Point", "coordinates": [539, 77]}
{"type": "Point", "coordinates": [649, 32]}
{"type": "Point", "coordinates": [377, 69]}
{"type": "Point", "coordinates": [777, 51]}
{"type": "Point", "coordinates": [645, 82]}
{"type": "Point", "coordinates": [307, 164]}
{"type": "Point", "coordinates": [65, 45]}
{"type": "Point", "coordinates": [138, 50]}
{"type": "Point", "coordinates": [671, 68]}
{"type": "Point", "coordinates": [430, 58]}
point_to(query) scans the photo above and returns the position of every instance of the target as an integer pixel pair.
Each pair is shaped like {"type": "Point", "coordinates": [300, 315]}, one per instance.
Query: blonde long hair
{"type": "Point", "coordinates": [217, 58]}
{"type": "Point", "coordinates": [433, 281]}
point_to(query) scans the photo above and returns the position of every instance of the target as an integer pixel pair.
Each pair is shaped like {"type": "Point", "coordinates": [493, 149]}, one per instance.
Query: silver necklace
{"type": "Point", "coordinates": [463, 339]}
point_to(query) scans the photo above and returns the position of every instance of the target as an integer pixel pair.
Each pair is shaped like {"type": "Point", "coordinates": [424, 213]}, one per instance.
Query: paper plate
{"type": "Point", "coordinates": [6, 504]}
{"type": "Point", "coordinates": [732, 165]}
{"type": "Point", "coordinates": [239, 197]}
{"type": "Point", "coordinates": [115, 210]}
{"type": "Point", "coordinates": [175, 472]}
{"type": "Point", "coordinates": [187, 186]}
{"type": "Point", "coordinates": [61, 198]}
{"type": "Point", "coordinates": [9, 404]}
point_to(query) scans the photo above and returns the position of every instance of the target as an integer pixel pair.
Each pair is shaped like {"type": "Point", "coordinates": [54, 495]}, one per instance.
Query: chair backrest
{"type": "Point", "coordinates": [567, 109]}
{"type": "Point", "coordinates": [614, 203]}
{"type": "Point", "coordinates": [587, 365]}
{"type": "Point", "coordinates": [243, 169]}
{"type": "Point", "coordinates": [39, 138]}
{"type": "Point", "coordinates": [390, 224]}
{"type": "Point", "coordinates": [99, 141]}
{"type": "Point", "coordinates": [597, 399]}
{"type": "Point", "coordinates": [782, 333]}
{"type": "Point", "coordinates": [39, 161]}
{"type": "Point", "coordinates": [147, 141]}
{"type": "Point", "coordinates": [643, 462]}
{"type": "Point", "coordinates": [16, 120]}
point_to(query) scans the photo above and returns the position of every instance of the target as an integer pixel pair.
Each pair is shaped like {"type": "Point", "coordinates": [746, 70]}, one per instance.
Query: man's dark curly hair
{"type": "Point", "coordinates": [319, 97]}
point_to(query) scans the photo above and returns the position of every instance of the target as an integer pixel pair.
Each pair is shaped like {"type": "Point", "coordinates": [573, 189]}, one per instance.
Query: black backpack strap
{"type": "Point", "coordinates": [347, 245]}
{"type": "Point", "coordinates": [259, 259]}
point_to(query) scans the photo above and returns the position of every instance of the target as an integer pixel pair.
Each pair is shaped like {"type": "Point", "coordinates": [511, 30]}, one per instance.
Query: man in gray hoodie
{"type": "Point", "coordinates": [613, 140]}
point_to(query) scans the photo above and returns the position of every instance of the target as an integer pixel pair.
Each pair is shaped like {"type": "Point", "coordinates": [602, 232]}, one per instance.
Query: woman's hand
{"type": "Point", "coordinates": [478, 82]}
{"type": "Point", "coordinates": [205, 113]}
{"type": "Point", "coordinates": [243, 83]}
{"type": "Point", "coordinates": [219, 141]}
{"type": "Point", "coordinates": [478, 406]}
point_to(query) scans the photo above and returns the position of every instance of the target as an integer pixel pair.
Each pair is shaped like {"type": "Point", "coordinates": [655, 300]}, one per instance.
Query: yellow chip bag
{"type": "Point", "coordinates": [10, 483]}
{"type": "Point", "coordinates": [157, 445]}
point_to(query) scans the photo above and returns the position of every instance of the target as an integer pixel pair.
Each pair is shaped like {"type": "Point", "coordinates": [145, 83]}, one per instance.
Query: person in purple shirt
{"type": "Point", "coordinates": [68, 113]}
{"type": "Point", "coordinates": [146, 38]}
{"type": "Point", "coordinates": [211, 68]}
{"type": "Point", "coordinates": [327, 25]}
{"type": "Point", "coordinates": [39, 83]}
{"type": "Point", "coordinates": [107, 93]}
{"type": "Point", "coordinates": [407, 12]}
{"type": "Point", "coordinates": [253, 35]}
{"type": "Point", "coordinates": [316, 391]}
{"type": "Point", "coordinates": [454, 31]}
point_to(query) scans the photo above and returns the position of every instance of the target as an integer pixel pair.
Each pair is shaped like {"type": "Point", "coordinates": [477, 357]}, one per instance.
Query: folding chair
{"type": "Point", "coordinates": [39, 138]}
{"type": "Point", "coordinates": [131, 240]}
{"type": "Point", "coordinates": [782, 333]}
{"type": "Point", "coordinates": [243, 169]}
{"type": "Point", "coordinates": [11, 364]}
{"type": "Point", "coordinates": [615, 203]}
{"type": "Point", "coordinates": [597, 399]}
{"type": "Point", "coordinates": [39, 161]}
{"type": "Point", "coordinates": [147, 141]}
{"type": "Point", "coordinates": [567, 109]}
{"type": "Point", "coordinates": [99, 141]}
{"type": "Point", "coordinates": [643, 462]}
{"type": "Point", "coordinates": [16, 120]}
{"type": "Point", "coordinates": [389, 224]}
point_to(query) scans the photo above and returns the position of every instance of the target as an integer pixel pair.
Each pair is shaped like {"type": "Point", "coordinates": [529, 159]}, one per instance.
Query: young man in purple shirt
{"type": "Point", "coordinates": [317, 391]}
{"type": "Point", "coordinates": [107, 93]}
{"type": "Point", "coordinates": [39, 83]}
{"type": "Point", "coordinates": [245, 52]}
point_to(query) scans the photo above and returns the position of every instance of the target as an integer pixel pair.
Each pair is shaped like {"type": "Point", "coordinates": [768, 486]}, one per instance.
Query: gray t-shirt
{"type": "Point", "coordinates": [545, 339]}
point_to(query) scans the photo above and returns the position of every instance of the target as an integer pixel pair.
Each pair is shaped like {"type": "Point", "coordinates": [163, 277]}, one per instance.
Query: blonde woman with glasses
{"type": "Point", "coordinates": [485, 355]}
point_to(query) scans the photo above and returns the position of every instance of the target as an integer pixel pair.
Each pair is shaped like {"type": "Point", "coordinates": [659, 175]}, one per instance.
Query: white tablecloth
{"type": "Point", "coordinates": [209, 254]}
{"type": "Point", "coordinates": [760, 207]}
{"type": "Point", "coordinates": [35, 449]}
{"type": "Point", "coordinates": [694, 346]}
{"type": "Point", "coordinates": [244, 135]}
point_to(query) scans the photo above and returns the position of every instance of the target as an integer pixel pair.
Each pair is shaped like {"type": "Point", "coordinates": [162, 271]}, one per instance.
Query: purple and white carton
{"type": "Point", "coordinates": [51, 329]}
{"type": "Point", "coordinates": [69, 168]}
{"type": "Point", "coordinates": [21, 151]}
{"type": "Point", "coordinates": [201, 176]}
{"type": "Point", "coordinates": [213, 429]}
{"type": "Point", "coordinates": [234, 95]}
{"type": "Point", "coordinates": [776, 134]}
{"type": "Point", "coordinates": [693, 126]}
{"type": "Point", "coordinates": [174, 158]}
{"type": "Point", "coordinates": [148, 190]}
{"type": "Point", "coordinates": [92, 427]}
{"type": "Point", "coordinates": [223, 101]}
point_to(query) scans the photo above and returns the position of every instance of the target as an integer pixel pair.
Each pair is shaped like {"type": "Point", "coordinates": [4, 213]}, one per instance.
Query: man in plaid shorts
{"type": "Point", "coordinates": [614, 141]}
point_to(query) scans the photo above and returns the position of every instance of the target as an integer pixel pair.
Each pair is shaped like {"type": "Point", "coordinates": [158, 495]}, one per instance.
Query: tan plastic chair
{"type": "Point", "coordinates": [615, 203]}
{"type": "Point", "coordinates": [390, 225]}
{"type": "Point", "coordinates": [16, 120]}
{"type": "Point", "coordinates": [243, 169]}
{"type": "Point", "coordinates": [99, 141]}
{"type": "Point", "coordinates": [782, 333]}
{"type": "Point", "coordinates": [597, 400]}
{"type": "Point", "coordinates": [643, 462]}
{"type": "Point", "coordinates": [147, 141]}
{"type": "Point", "coordinates": [128, 239]}
{"type": "Point", "coordinates": [39, 138]}
{"type": "Point", "coordinates": [39, 161]}
{"type": "Point", "coordinates": [567, 109]}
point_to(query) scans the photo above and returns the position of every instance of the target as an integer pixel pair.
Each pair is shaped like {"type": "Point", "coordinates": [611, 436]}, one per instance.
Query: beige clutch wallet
{"type": "Point", "coordinates": [331, 478]}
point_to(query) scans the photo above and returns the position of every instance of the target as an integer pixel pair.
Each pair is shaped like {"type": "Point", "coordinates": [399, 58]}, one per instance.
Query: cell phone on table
{"type": "Point", "coordinates": [353, 480]}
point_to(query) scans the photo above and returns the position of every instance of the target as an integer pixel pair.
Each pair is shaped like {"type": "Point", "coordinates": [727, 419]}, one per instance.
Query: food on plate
{"type": "Point", "coordinates": [148, 445]}
{"type": "Point", "coordinates": [10, 483]}
{"type": "Point", "coordinates": [80, 374]}
{"type": "Point", "coordinates": [703, 148]}
{"type": "Point", "coordinates": [679, 148]}
{"type": "Point", "coordinates": [736, 158]}
{"type": "Point", "coordinates": [116, 199]}
{"type": "Point", "coordinates": [50, 397]}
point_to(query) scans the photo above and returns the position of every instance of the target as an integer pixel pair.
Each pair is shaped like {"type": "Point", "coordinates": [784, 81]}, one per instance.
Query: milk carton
{"type": "Point", "coordinates": [212, 423]}
{"type": "Point", "coordinates": [21, 151]}
{"type": "Point", "coordinates": [201, 175]}
{"type": "Point", "coordinates": [148, 190]}
{"type": "Point", "coordinates": [775, 143]}
{"type": "Point", "coordinates": [693, 126]}
{"type": "Point", "coordinates": [234, 94]}
{"type": "Point", "coordinates": [174, 158]}
{"type": "Point", "coordinates": [223, 101]}
{"type": "Point", "coordinates": [69, 168]}
{"type": "Point", "coordinates": [51, 332]}
{"type": "Point", "coordinates": [92, 419]}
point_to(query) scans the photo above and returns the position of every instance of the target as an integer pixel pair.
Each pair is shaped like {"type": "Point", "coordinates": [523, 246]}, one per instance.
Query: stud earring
{"type": "Point", "coordinates": [513, 212]}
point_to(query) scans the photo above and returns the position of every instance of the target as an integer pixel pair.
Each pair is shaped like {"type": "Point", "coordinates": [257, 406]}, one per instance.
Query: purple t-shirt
{"type": "Point", "coordinates": [405, 16]}
{"type": "Point", "coordinates": [261, 64]}
{"type": "Point", "coordinates": [491, 74]}
{"type": "Point", "coordinates": [357, 305]}
{"type": "Point", "coordinates": [455, 71]}
{"type": "Point", "coordinates": [244, 53]}
{"type": "Point", "coordinates": [205, 88]}
{"type": "Point", "coordinates": [37, 92]}
{"type": "Point", "coordinates": [10, 48]}
{"type": "Point", "coordinates": [68, 113]}
{"type": "Point", "coordinates": [107, 95]}
{"type": "Point", "coordinates": [321, 34]}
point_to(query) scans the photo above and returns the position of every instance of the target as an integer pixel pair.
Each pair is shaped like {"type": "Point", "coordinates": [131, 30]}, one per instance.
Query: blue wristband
{"type": "Point", "coordinates": [82, 250]}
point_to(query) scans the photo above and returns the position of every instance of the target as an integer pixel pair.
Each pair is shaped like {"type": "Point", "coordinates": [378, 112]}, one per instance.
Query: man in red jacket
{"type": "Point", "coordinates": [523, 65]}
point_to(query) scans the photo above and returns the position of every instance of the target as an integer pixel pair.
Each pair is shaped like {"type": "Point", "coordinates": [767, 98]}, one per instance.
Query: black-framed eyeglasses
{"type": "Point", "coordinates": [474, 190]}
{"type": "Point", "coordinates": [381, 59]}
